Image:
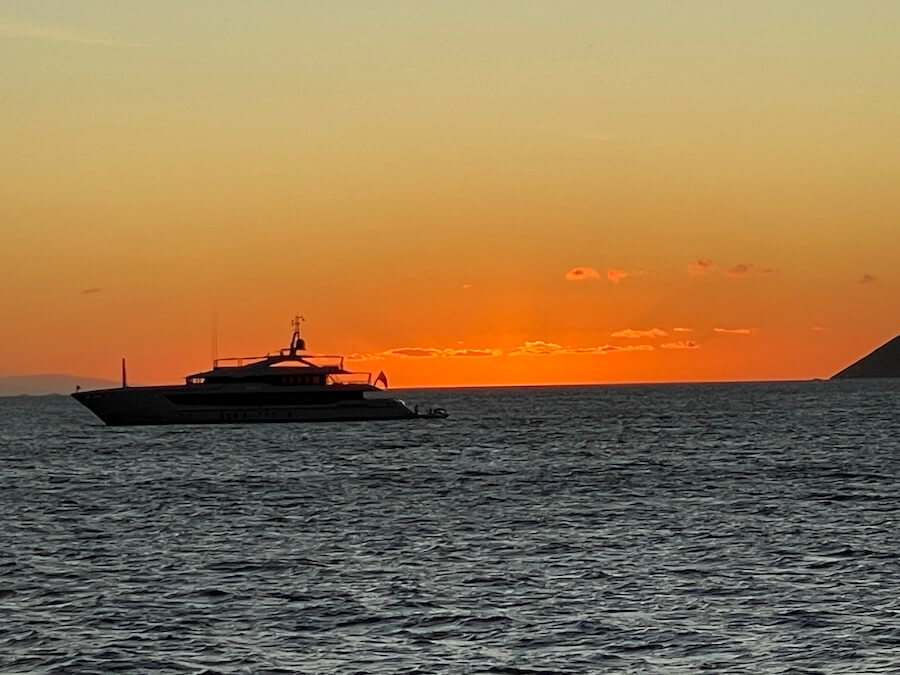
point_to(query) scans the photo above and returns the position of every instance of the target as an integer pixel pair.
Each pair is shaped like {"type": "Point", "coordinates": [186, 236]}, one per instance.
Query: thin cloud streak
{"type": "Point", "coordinates": [703, 266]}
{"type": "Point", "coordinates": [680, 344]}
{"type": "Point", "coordinates": [634, 334]}
{"type": "Point", "coordinates": [528, 348]}
{"type": "Point", "coordinates": [738, 270]}
{"type": "Point", "coordinates": [537, 347]}
{"type": "Point", "coordinates": [606, 349]}
{"type": "Point", "coordinates": [745, 269]}
{"type": "Point", "coordinates": [735, 331]}
{"type": "Point", "coordinates": [433, 352]}
{"type": "Point", "coordinates": [413, 352]}
{"type": "Point", "coordinates": [18, 29]}
{"type": "Point", "coordinates": [471, 352]}
{"type": "Point", "coordinates": [423, 352]}
{"type": "Point", "coordinates": [541, 348]}
{"type": "Point", "coordinates": [356, 356]}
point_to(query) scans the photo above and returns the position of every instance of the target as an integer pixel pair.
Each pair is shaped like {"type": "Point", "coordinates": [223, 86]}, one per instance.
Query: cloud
{"type": "Point", "coordinates": [606, 349]}
{"type": "Point", "coordinates": [466, 286]}
{"type": "Point", "coordinates": [91, 291]}
{"type": "Point", "coordinates": [423, 353]}
{"type": "Point", "coordinates": [541, 348]}
{"type": "Point", "coordinates": [19, 29]}
{"type": "Point", "coordinates": [738, 270]}
{"type": "Point", "coordinates": [735, 331]}
{"type": "Point", "coordinates": [634, 334]}
{"type": "Point", "coordinates": [704, 266]}
{"type": "Point", "coordinates": [615, 275]}
{"type": "Point", "coordinates": [582, 274]}
{"type": "Point", "coordinates": [529, 348]}
{"type": "Point", "coordinates": [744, 269]}
{"type": "Point", "coordinates": [680, 344]}
{"type": "Point", "coordinates": [819, 329]}
{"type": "Point", "coordinates": [413, 352]}
{"type": "Point", "coordinates": [537, 347]}
{"type": "Point", "coordinates": [700, 267]}
{"type": "Point", "coordinates": [471, 352]}
{"type": "Point", "coordinates": [682, 329]}
{"type": "Point", "coordinates": [867, 279]}
{"type": "Point", "coordinates": [363, 357]}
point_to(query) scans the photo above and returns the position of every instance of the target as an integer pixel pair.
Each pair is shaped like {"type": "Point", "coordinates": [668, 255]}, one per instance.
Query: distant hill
{"type": "Point", "coordinates": [883, 362]}
{"type": "Point", "coordinates": [51, 383]}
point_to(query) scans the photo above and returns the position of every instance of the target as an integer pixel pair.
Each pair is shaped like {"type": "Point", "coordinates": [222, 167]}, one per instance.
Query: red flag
{"type": "Point", "coordinates": [381, 378]}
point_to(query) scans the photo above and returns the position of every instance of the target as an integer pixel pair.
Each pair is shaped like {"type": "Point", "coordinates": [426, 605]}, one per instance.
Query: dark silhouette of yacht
{"type": "Point", "coordinates": [291, 386]}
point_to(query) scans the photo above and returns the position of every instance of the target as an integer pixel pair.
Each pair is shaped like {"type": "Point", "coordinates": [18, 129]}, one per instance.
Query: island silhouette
{"type": "Point", "coordinates": [883, 362]}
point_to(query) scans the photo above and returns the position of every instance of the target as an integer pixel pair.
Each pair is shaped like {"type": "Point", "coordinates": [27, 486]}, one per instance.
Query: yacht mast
{"type": "Point", "coordinates": [298, 344]}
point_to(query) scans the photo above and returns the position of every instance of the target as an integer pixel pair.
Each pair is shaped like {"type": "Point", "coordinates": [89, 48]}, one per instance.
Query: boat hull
{"type": "Point", "coordinates": [131, 406]}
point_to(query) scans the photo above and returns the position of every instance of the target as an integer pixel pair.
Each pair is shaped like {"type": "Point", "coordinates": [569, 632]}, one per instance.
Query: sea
{"type": "Point", "coordinates": [723, 528]}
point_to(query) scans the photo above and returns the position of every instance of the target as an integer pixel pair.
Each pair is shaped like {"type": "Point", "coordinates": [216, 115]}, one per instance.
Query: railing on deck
{"type": "Point", "coordinates": [239, 360]}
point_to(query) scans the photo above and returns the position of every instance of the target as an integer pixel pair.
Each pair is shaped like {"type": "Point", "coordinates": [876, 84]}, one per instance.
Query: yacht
{"type": "Point", "coordinates": [290, 386]}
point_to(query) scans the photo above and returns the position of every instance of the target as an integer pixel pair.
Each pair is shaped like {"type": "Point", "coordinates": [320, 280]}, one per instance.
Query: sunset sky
{"type": "Point", "coordinates": [454, 192]}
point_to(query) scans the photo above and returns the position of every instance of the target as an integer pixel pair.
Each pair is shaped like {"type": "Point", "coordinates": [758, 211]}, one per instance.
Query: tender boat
{"type": "Point", "coordinates": [290, 386]}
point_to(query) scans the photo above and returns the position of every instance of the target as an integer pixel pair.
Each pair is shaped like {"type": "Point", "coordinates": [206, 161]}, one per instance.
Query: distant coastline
{"type": "Point", "coordinates": [57, 384]}
{"type": "Point", "coordinates": [46, 384]}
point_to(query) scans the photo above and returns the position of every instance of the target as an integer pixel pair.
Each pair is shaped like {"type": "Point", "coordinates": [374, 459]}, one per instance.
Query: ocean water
{"type": "Point", "coordinates": [745, 528]}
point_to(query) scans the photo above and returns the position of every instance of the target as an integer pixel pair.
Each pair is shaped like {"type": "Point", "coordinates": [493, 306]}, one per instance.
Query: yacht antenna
{"type": "Point", "coordinates": [298, 344]}
{"type": "Point", "coordinates": [215, 337]}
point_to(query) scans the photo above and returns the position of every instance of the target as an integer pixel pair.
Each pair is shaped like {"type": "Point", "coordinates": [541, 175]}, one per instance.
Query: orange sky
{"type": "Point", "coordinates": [417, 175]}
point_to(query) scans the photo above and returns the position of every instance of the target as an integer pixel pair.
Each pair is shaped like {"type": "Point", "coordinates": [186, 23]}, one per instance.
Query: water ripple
{"type": "Point", "coordinates": [722, 528]}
